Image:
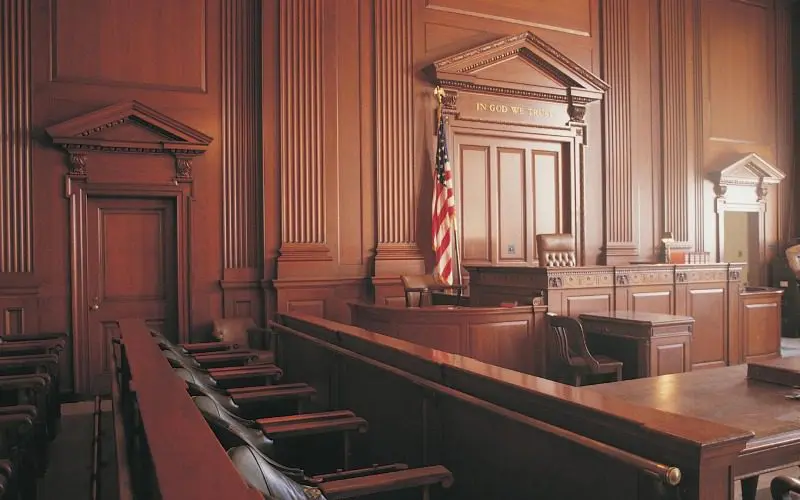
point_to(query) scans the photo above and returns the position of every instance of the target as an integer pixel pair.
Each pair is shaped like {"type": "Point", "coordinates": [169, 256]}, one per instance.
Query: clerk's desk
{"type": "Point", "coordinates": [710, 293]}
{"type": "Point", "coordinates": [509, 337]}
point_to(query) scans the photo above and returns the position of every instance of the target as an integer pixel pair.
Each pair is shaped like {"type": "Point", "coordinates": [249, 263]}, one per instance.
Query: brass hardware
{"type": "Point", "coordinates": [673, 476]}
{"type": "Point", "coordinates": [95, 305]}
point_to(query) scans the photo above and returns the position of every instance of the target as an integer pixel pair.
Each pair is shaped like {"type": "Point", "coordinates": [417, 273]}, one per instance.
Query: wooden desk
{"type": "Point", "coordinates": [707, 292]}
{"type": "Point", "coordinates": [511, 337]}
{"type": "Point", "coordinates": [648, 344]}
{"type": "Point", "coordinates": [726, 396]}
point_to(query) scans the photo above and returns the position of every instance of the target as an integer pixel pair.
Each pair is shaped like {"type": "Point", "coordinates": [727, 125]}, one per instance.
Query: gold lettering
{"type": "Point", "coordinates": [516, 110]}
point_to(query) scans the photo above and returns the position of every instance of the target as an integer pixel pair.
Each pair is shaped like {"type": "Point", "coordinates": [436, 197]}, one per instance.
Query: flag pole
{"type": "Point", "coordinates": [439, 93]}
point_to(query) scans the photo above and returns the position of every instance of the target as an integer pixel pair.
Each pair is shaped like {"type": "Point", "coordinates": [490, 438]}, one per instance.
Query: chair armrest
{"type": "Point", "coordinates": [266, 394]}
{"type": "Point", "coordinates": [249, 371]}
{"type": "Point", "coordinates": [390, 481]}
{"type": "Point", "coordinates": [16, 421]}
{"type": "Point", "coordinates": [225, 356]}
{"type": "Point", "coordinates": [36, 382]}
{"type": "Point", "coordinates": [27, 410]}
{"type": "Point", "coordinates": [365, 471]}
{"type": "Point", "coordinates": [208, 347]}
{"type": "Point", "coordinates": [52, 336]}
{"type": "Point", "coordinates": [26, 348]}
{"type": "Point", "coordinates": [312, 423]}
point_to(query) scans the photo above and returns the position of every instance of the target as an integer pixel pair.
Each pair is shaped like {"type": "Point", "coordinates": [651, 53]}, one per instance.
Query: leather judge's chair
{"type": "Point", "coordinates": [244, 332]}
{"type": "Point", "coordinates": [569, 356]}
{"type": "Point", "coordinates": [418, 289]}
{"type": "Point", "coordinates": [556, 250]}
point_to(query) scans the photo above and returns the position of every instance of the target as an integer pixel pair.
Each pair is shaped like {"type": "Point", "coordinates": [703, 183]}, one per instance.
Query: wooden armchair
{"type": "Point", "coordinates": [556, 250]}
{"type": "Point", "coordinates": [418, 289]}
{"type": "Point", "coordinates": [784, 488]}
{"type": "Point", "coordinates": [570, 357]}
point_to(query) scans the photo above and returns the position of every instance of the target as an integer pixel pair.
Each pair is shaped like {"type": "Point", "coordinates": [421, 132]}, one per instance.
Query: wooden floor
{"type": "Point", "coordinates": [69, 476]}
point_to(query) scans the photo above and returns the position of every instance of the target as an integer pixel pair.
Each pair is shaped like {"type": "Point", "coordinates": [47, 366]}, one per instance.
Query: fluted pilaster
{"type": "Point", "coordinates": [621, 231]}
{"type": "Point", "coordinates": [394, 110]}
{"type": "Point", "coordinates": [241, 133]}
{"type": "Point", "coordinates": [677, 144]}
{"type": "Point", "coordinates": [16, 213]}
{"type": "Point", "coordinates": [303, 228]}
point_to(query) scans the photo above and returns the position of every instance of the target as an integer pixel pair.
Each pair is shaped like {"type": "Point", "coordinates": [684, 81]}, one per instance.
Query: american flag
{"type": "Point", "coordinates": [444, 210]}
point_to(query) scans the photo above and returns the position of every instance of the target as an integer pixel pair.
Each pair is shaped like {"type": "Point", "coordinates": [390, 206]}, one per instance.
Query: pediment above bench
{"type": "Point", "coordinates": [128, 127]}
{"type": "Point", "coordinates": [520, 66]}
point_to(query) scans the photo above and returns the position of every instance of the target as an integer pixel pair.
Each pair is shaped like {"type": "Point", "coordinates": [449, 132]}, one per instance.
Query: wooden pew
{"type": "Point", "coordinates": [165, 449]}
{"type": "Point", "coordinates": [492, 452]}
{"type": "Point", "coordinates": [704, 451]}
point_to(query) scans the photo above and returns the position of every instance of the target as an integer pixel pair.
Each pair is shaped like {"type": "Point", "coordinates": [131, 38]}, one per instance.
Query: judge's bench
{"type": "Point", "coordinates": [732, 324]}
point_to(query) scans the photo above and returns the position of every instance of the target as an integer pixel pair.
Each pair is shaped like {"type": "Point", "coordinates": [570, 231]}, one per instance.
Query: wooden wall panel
{"type": "Point", "coordinates": [169, 58]}
{"type": "Point", "coordinates": [512, 195]}
{"type": "Point", "coordinates": [16, 200]}
{"type": "Point", "coordinates": [241, 159]}
{"type": "Point", "coordinates": [475, 185]}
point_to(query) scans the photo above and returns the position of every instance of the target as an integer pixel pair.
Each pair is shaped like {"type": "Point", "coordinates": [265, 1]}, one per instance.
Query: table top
{"type": "Point", "coordinates": [637, 317]}
{"type": "Point", "coordinates": [723, 395]}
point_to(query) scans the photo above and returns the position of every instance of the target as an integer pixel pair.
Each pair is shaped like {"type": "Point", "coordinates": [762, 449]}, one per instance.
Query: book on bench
{"type": "Point", "coordinates": [781, 371]}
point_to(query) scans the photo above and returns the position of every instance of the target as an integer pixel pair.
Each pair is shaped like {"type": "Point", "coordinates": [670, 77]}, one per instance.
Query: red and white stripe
{"type": "Point", "coordinates": [444, 211]}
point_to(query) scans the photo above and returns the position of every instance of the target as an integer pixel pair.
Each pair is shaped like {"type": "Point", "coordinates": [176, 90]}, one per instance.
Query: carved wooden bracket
{"type": "Point", "coordinates": [515, 69]}
{"type": "Point", "coordinates": [83, 134]}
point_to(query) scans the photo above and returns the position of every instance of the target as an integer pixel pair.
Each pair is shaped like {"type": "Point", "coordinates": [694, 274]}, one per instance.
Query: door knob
{"type": "Point", "coordinates": [95, 305]}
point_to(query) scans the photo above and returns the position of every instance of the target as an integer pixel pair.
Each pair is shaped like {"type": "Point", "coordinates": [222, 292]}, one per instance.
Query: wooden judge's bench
{"type": "Point", "coordinates": [732, 325]}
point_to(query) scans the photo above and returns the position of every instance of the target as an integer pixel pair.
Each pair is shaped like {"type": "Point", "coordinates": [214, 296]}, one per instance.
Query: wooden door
{"type": "Point", "coordinates": [507, 191]}
{"type": "Point", "coordinates": [131, 272]}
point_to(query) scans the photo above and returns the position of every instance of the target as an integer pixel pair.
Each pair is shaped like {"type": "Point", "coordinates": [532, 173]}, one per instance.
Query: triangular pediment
{"type": "Point", "coordinates": [128, 126]}
{"type": "Point", "coordinates": [749, 170]}
{"type": "Point", "coordinates": [520, 65]}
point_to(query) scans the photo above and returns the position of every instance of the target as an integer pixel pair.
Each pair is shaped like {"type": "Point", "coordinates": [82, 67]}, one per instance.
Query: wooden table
{"type": "Point", "coordinates": [648, 344]}
{"type": "Point", "coordinates": [726, 396]}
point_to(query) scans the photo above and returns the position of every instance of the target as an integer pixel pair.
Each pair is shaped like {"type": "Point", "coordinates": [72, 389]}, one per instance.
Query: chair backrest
{"type": "Point", "coordinates": [264, 477]}
{"type": "Point", "coordinates": [233, 330]}
{"type": "Point", "coordinates": [232, 430]}
{"type": "Point", "coordinates": [231, 433]}
{"type": "Point", "coordinates": [222, 400]}
{"type": "Point", "coordinates": [178, 360]}
{"type": "Point", "coordinates": [197, 377]}
{"type": "Point", "coordinates": [793, 259]}
{"type": "Point", "coordinates": [556, 250]}
{"type": "Point", "coordinates": [567, 341]}
{"type": "Point", "coordinates": [418, 289]}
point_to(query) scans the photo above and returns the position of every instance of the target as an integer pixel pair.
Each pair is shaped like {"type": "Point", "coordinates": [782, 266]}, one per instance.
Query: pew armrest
{"type": "Point", "coordinates": [265, 394]}
{"type": "Point", "coordinates": [312, 423]}
{"type": "Point", "coordinates": [29, 361]}
{"type": "Point", "coordinates": [19, 420]}
{"type": "Point", "coordinates": [246, 372]}
{"type": "Point", "coordinates": [365, 471]}
{"type": "Point", "coordinates": [208, 347]}
{"type": "Point", "coordinates": [781, 486]}
{"type": "Point", "coordinates": [26, 348]}
{"type": "Point", "coordinates": [389, 481]}
{"type": "Point", "coordinates": [53, 336]}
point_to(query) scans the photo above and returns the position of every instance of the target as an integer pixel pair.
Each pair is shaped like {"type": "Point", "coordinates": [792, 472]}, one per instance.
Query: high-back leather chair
{"type": "Point", "coordinates": [232, 430]}
{"type": "Point", "coordinates": [418, 289]}
{"type": "Point", "coordinates": [569, 355]}
{"type": "Point", "coordinates": [556, 250]}
{"type": "Point", "coordinates": [266, 478]}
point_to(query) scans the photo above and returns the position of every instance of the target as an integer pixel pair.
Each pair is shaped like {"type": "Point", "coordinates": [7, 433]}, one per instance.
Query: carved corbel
{"type": "Point", "coordinates": [183, 167]}
{"type": "Point", "coordinates": [449, 100]}
{"type": "Point", "coordinates": [77, 163]}
{"type": "Point", "coordinates": [577, 113]}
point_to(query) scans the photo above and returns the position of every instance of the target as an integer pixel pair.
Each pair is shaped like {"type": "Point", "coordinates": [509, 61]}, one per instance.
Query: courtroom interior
{"type": "Point", "coordinates": [395, 249]}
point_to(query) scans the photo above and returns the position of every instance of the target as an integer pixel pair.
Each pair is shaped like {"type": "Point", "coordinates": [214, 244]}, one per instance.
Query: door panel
{"type": "Point", "coordinates": [131, 273]}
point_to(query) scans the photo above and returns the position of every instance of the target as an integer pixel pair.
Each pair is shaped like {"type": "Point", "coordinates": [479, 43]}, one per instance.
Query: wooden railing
{"type": "Point", "coordinates": [493, 452]}
{"type": "Point", "coordinates": [165, 449]}
{"type": "Point", "coordinates": [644, 432]}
